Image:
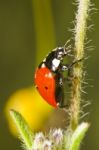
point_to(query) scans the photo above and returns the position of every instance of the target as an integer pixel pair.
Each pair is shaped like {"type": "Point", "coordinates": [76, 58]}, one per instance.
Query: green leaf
{"type": "Point", "coordinates": [78, 136]}
{"type": "Point", "coordinates": [44, 28]}
{"type": "Point", "coordinates": [23, 129]}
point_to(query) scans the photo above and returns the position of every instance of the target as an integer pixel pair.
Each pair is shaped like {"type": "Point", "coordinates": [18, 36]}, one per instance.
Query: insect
{"type": "Point", "coordinates": [49, 79]}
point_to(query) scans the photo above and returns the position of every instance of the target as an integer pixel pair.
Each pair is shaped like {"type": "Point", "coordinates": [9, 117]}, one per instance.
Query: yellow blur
{"type": "Point", "coordinates": [31, 105]}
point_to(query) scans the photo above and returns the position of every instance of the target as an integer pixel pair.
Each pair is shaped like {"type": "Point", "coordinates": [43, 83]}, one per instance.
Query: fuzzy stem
{"type": "Point", "coordinates": [80, 34]}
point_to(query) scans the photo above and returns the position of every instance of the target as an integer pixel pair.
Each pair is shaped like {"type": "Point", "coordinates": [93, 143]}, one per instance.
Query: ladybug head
{"type": "Point", "coordinates": [54, 58]}
{"type": "Point", "coordinates": [60, 52]}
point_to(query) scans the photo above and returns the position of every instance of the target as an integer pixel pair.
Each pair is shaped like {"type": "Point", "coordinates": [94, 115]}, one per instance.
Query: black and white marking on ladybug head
{"type": "Point", "coordinates": [54, 58]}
{"type": "Point", "coordinates": [55, 64]}
{"type": "Point", "coordinates": [61, 52]}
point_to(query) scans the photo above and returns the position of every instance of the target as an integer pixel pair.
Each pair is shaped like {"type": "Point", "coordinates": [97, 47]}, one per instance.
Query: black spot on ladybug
{"type": "Point", "coordinates": [36, 87]}
{"type": "Point", "coordinates": [46, 87]}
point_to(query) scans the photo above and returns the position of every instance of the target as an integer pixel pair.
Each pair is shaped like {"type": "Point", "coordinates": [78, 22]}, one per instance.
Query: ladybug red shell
{"type": "Point", "coordinates": [46, 85]}
{"type": "Point", "coordinates": [48, 77]}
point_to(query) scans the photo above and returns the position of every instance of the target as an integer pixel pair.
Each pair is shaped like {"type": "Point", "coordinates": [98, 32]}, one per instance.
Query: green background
{"type": "Point", "coordinates": [18, 47]}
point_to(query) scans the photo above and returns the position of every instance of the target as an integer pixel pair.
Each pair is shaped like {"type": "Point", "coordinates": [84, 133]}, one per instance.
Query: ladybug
{"type": "Point", "coordinates": [49, 79]}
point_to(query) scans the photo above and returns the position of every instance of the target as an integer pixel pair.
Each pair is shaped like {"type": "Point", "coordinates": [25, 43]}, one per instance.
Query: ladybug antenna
{"type": "Point", "coordinates": [68, 41]}
{"type": "Point", "coordinates": [67, 47]}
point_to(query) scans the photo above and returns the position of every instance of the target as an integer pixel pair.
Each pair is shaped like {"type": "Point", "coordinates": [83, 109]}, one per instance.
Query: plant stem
{"type": "Point", "coordinates": [80, 34]}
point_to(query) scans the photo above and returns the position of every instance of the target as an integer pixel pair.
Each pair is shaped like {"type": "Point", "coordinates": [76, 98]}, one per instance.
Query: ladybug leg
{"type": "Point", "coordinates": [64, 67]}
{"type": "Point", "coordinates": [59, 92]}
{"type": "Point", "coordinates": [68, 67]}
{"type": "Point", "coordinates": [68, 52]}
{"type": "Point", "coordinates": [62, 103]}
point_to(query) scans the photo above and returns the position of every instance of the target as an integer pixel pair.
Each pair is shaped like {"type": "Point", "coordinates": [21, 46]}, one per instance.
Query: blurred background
{"type": "Point", "coordinates": [29, 29]}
